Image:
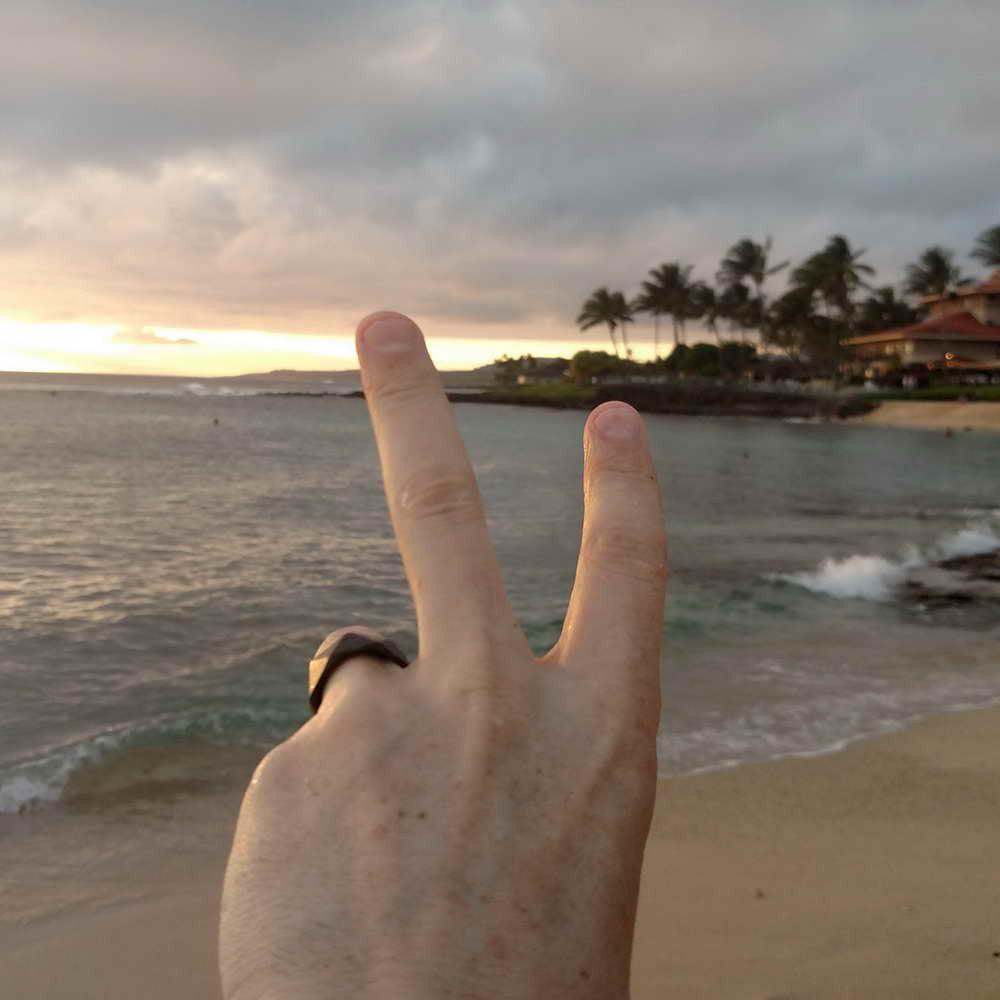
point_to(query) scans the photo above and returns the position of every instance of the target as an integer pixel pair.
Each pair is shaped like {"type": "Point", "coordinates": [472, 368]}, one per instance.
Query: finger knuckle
{"type": "Point", "coordinates": [625, 467]}
{"type": "Point", "coordinates": [276, 768]}
{"type": "Point", "coordinates": [621, 551]}
{"type": "Point", "coordinates": [403, 389]}
{"type": "Point", "coordinates": [440, 492]}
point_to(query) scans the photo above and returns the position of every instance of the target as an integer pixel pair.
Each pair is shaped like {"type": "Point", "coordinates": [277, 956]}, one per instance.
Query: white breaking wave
{"type": "Point", "coordinates": [43, 780]}
{"type": "Point", "coordinates": [875, 578]}
{"type": "Point", "coordinates": [200, 389]}
{"type": "Point", "coordinates": [971, 541]}
{"type": "Point", "coordinates": [870, 578]}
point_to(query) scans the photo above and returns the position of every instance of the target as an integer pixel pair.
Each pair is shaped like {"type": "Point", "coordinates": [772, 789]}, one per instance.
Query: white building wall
{"type": "Point", "coordinates": [921, 351]}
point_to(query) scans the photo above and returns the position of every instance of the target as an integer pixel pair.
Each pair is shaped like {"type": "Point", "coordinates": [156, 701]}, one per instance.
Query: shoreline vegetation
{"type": "Point", "coordinates": [677, 399]}
{"type": "Point", "coordinates": [681, 399]}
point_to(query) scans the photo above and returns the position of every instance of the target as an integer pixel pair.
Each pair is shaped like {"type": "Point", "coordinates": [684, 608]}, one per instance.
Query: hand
{"type": "Point", "coordinates": [472, 826]}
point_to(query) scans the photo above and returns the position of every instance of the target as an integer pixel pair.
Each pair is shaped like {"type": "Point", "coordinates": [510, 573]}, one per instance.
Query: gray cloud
{"type": "Point", "coordinates": [489, 162]}
{"type": "Point", "coordinates": [149, 338]}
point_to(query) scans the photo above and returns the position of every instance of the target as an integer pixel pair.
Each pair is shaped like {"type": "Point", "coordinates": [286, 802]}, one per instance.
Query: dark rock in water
{"type": "Point", "coordinates": [962, 591]}
{"type": "Point", "coordinates": [985, 566]}
{"type": "Point", "coordinates": [314, 395]}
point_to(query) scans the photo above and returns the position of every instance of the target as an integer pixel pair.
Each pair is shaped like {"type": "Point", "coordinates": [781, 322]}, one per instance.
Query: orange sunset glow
{"type": "Point", "coordinates": [68, 348]}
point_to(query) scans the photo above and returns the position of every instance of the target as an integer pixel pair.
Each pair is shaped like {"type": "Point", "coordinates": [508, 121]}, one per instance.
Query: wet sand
{"type": "Point", "coordinates": [869, 873]}
{"type": "Point", "coordinates": [935, 416]}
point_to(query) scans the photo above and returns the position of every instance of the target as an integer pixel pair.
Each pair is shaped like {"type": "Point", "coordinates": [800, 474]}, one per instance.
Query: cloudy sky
{"type": "Point", "coordinates": [208, 187]}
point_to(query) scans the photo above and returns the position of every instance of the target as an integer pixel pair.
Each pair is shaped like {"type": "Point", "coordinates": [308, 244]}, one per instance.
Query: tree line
{"type": "Point", "coordinates": [830, 297]}
{"type": "Point", "coordinates": [730, 358]}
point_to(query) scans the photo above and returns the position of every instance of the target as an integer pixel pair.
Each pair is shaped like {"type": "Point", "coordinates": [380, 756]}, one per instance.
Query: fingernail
{"type": "Point", "coordinates": [618, 423]}
{"type": "Point", "coordinates": [390, 333]}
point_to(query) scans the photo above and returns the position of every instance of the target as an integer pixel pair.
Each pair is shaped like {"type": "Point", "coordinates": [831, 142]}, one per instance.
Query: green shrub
{"type": "Point", "coordinates": [567, 391]}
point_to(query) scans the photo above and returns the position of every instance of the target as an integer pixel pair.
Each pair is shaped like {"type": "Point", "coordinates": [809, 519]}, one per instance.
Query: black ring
{"type": "Point", "coordinates": [348, 645]}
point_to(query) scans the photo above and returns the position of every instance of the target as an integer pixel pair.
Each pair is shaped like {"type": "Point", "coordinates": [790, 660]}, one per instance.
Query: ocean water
{"type": "Point", "coordinates": [173, 551]}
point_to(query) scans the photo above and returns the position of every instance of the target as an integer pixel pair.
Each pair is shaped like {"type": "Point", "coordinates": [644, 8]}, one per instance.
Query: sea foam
{"type": "Point", "coordinates": [40, 781]}
{"type": "Point", "coordinates": [974, 540]}
{"type": "Point", "coordinates": [875, 578]}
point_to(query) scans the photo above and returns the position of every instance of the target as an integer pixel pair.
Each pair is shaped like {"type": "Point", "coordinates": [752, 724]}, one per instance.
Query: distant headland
{"type": "Point", "coordinates": [473, 378]}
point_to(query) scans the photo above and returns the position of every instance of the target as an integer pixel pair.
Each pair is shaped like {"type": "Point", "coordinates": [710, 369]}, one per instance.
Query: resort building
{"type": "Point", "coordinates": [542, 371]}
{"type": "Point", "coordinates": [962, 331]}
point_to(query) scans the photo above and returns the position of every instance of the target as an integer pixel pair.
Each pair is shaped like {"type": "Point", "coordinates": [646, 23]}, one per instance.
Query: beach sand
{"type": "Point", "coordinates": [935, 416]}
{"type": "Point", "coordinates": [870, 873]}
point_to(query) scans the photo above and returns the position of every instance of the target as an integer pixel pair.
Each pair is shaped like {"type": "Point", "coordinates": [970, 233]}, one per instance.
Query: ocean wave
{"type": "Point", "coordinates": [200, 389]}
{"type": "Point", "coordinates": [876, 578]}
{"type": "Point", "coordinates": [904, 512]}
{"type": "Point", "coordinates": [44, 779]}
{"type": "Point", "coordinates": [970, 512]}
{"type": "Point", "coordinates": [185, 389]}
{"type": "Point", "coordinates": [971, 541]}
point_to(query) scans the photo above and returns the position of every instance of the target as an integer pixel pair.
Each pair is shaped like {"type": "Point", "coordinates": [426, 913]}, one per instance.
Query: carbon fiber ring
{"type": "Point", "coordinates": [348, 645]}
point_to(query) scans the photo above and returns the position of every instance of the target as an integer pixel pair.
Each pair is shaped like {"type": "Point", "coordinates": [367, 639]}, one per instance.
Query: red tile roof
{"type": "Point", "coordinates": [960, 326]}
{"type": "Point", "coordinates": [991, 286]}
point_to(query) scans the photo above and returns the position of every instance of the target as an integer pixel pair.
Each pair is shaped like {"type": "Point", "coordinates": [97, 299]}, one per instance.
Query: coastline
{"type": "Point", "coordinates": [867, 872]}
{"type": "Point", "coordinates": [856, 410]}
{"type": "Point", "coordinates": [682, 400]}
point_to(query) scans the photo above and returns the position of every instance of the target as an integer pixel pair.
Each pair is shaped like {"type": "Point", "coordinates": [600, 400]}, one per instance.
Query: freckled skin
{"type": "Point", "coordinates": [472, 826]}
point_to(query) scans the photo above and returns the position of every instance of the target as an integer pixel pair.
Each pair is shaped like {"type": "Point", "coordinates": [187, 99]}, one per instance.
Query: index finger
{"type": "Point", "coordinates": [433, 496]}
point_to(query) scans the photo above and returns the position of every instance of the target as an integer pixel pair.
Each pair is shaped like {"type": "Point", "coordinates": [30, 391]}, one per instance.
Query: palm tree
{"type": "Point", "coordinates": [884, 311]}
{"type": "Point", "coordinates": [687, 302]}
{"type": "Point", "coordinates": [935, 273]}
{"type": "Point", "coordinates": [652, 300]}
{"type": "Point", "coordinates": [667, 292]}
{"type": "Point", "coordinates": [987, 250]}
{"type": "Point", "coordinates": [787, 316]}
{"type": "Point", "coordinates": [794, 324]}
{"type": "Point", "coordinates": [606, 307]}
{"type": "Point", "coordinates": [734, 306]}
{"type": "Point", "coordinates": [835, 273]}
{"type": "Point", "coordinates": [623, 313]}
{"type": "Point", "coordinates": [745, 261]}
{"type": "Point", "coordinates": [707, 305]}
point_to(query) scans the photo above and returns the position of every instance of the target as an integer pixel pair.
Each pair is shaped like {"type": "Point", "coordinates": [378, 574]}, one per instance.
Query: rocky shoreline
{"type": "Point", "coordinates": [678, 399]}
{"type": "Point", "coordinates": [693, 400]}
{"type": "Point", "coordinates": [964, 590]}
